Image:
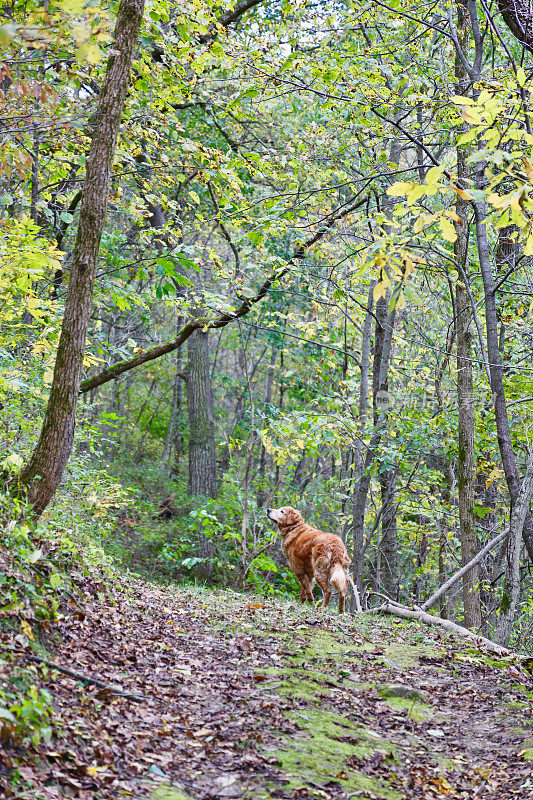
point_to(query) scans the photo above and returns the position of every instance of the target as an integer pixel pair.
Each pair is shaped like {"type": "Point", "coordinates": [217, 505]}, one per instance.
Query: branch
{"type": "Point", "coordinates": [156, 352]}
{"type": "Point", "coordinates": [518, 17]}
{"type": "Point", "coordinates": [227, 19]}
{"type": "Point", "coordinates": [429, 619]}
{"type": "Point", "coordinates": [430, 602]}
{"type": "Point", "coordinates": [87, 679]}
{"type": "Point", "coordinates": [224, 230]}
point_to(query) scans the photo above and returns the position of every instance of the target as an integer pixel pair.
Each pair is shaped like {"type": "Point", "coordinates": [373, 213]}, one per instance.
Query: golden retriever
{"type": "Point", "coordinates": [312, 555]}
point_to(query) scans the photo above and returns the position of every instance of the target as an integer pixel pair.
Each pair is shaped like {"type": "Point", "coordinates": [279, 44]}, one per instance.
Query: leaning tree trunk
{"type": "Point", "coordinates": [202, 461]}
{"type": "Point", "coordinates": [511, 584]}
{"type": "Point", "coordinates": [42, 474]}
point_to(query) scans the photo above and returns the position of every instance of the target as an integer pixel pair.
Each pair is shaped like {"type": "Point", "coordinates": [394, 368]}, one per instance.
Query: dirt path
{"type": "Point", "coordinates": [260, 699]}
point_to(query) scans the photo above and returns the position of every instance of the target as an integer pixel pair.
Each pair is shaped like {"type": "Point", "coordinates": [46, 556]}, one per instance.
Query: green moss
{"type": "Point", "coordinates": [415, 709]}
{"type": "Point", "coordinates": [517, 705]}
{"type": "Point", "coordinates": [398, 690]}
{"type": "Point", "coordinates": [527, 754]}
{"type": "Point", "coordinates": [165, 792]}
{"type": "Point", "coordinates": [320, 754]}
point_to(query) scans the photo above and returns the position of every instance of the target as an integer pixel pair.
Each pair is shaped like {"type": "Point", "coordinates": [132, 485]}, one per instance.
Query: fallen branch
{"type": "Point", "coordinates": [428, 619]}
{"type": "Point", "coordinates": [87, 679]}
{"type": "Point", "coordinates": [430, 602]}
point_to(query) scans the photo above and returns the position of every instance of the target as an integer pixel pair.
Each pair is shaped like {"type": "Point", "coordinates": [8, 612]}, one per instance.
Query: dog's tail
{"type": "Point", "coordinates": [358, 609]}
{"type": "Point", "coordinates": [337, 578]}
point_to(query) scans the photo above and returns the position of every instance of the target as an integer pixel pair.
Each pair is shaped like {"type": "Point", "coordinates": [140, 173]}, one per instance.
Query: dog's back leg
{"type": "Point", "coordinates": [324, 585]}
{"type": "Point", "coordinates": [338, 580]}
{"type": "Point", "coordinates": [306, 589]}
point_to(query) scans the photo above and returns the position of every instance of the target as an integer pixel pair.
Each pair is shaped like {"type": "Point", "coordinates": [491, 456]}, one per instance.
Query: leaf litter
{"type": "Point", "coordinates": [247, 697]}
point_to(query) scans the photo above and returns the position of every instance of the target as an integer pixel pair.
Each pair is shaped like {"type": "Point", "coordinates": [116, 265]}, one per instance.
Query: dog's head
{"type": "Point", "coordinates": [286, 517]}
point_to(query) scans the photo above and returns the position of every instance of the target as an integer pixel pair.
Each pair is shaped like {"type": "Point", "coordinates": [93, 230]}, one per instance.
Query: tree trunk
{"type": "Point", "coordinates": [511, 584]}
{"type": "Point", "coordinates": [496, 371]}
{"type": "Point", "coordinates": [262, 493]}
{"type": "Point", "coordinates": [466, 471]}
{"type": "Point", "coordinates": [45, 468]}
{"type": "Point", "coordinates": [357, 500]}
{"type": "Point", "coordinates": [174, 415]}
{"type": "Point", "coordinates": [388, 545]}
{"type": "Point", "coordinates": [202, 462]}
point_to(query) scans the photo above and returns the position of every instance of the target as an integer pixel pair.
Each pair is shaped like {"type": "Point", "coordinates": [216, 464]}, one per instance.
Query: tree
{"type": "Point", "coordinates": [43, 472]}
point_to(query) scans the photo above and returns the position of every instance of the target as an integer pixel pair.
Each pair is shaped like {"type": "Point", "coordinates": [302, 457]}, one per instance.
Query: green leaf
{"type": "Point", "coordinates": [34, 557]}
{"type": "Point", "coordinates": [56, 580]}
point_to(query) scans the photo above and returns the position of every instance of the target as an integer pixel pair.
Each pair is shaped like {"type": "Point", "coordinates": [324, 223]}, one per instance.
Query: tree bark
{"type": "Point", "coordinates": [359, 458]}
{"type": "Point", "coordinates": [518, 16]}
{"type": "Point", "coordinates": [262, 492]}
{"type": "Point", "coordinates": [202, 461]}
{"type": "Point", "coordinates": [169, 439]}
{"type": "Point", "coordinates": [388, 546]}
{"type": "Point", "coordinates": [496, 371]}
{"type": "Point", "coordinates": [466, 471]}
{"type": "Point", "coordinates": [42, 474]}
{"type": "Point", "coordinates": [511, 584]}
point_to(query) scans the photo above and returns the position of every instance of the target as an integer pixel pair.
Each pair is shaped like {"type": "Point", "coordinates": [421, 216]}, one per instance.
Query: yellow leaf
{"type": "Point", "coordinates": [470, 116]}
{"type": "Point", "coordinates": [452, 215]}
{"type": "Point", "coordinates": [26, 628]}
{"type": "Point", "coordinates": [528, 249]}
{"type": "Point", "coordinates": [459, 100]}
{"type": "Point", "coordinates": [92, 771]}
{"type": "Point", "coordinates": [399, 188]}
{"type": "Point", "coordinates": [416, 193]}
{"type": "Point", "coordinates": [93, 53]}
{"type": "Point", "coordinates": [447, 229]}
{"type": "Point", "coordinates": [520, 76]}
{"type": "Point", "coordinates": [380, 290]}
{"type": "Point", "coordinates": [529, 169]}
{"type": "Point", "coordinates": [434, 174]}
{"type": "Point", "coordinates": [462, 194]}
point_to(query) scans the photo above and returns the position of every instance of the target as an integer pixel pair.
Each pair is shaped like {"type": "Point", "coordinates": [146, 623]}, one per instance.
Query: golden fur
{"type": "Point", "coordinates": [312, 555]}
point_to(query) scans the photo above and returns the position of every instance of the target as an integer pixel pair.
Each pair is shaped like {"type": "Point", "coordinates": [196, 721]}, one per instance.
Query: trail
{"type": "Point", "coordinates": [247, 697]}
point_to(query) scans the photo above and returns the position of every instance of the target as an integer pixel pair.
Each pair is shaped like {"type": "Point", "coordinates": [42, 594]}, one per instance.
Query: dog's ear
{"type": "Point", "coordinates": [292, 517]}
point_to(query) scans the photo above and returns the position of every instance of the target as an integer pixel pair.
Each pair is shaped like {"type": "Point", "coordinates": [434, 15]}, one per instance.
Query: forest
{"type": "Point", "coordinates": [262, 254]}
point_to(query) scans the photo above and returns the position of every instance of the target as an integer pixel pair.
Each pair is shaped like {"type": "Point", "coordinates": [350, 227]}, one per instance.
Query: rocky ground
{"type": "Point", "coordinates": [238, 696]}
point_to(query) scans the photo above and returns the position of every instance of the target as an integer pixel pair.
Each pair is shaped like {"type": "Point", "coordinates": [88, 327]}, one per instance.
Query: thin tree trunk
{"type": "Point", "coordinates": [388, 546]}
{"type": "Point", "coordinates": [357, 526]}
{"type": "Point", "coordinates": [202, 462]}
{"type": "Point", "coordinates": [511, 584]}
{"type": "Point", "coordinates": [262, 493]}
{"type": "Point", "coordinates": [115, 435]}
{"type": "Point", "coordinates": [173, 415]}
{"type": "Point", "coordinates": [466, 471]}
{"type": "Point", "coordinates": [45, 468]}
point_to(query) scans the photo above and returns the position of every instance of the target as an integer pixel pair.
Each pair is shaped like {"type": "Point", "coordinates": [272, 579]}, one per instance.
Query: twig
{"type": "Point", "coordinates": [87, 679]}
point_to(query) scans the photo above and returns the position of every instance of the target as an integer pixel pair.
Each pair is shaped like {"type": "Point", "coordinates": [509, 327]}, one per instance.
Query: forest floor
{"type": "Point", "coordinates": [260, 698]}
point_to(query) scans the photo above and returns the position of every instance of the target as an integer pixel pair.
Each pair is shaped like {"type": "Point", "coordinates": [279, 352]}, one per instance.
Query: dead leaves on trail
{"type": "Point", "coordinates": [233, 689]}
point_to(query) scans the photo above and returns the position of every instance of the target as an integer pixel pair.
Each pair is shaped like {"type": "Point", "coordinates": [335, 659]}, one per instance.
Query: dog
{"type": "Point", "coordinates": [312, 555]}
